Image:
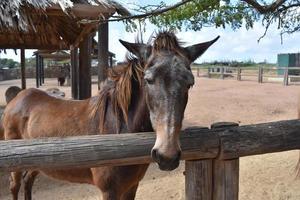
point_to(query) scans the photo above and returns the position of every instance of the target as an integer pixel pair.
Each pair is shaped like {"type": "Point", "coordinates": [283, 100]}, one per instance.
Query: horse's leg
{"type": "Point", "coordinates": [28, 183]}
{"type": "Point", "coordinates": [15, 177]}
{"type": "Point", "coordinates": [15, 184]}
{"type": "Point", "coordinates": [110, 195]}
{"type": "Point", "coordinates": [130, 194]}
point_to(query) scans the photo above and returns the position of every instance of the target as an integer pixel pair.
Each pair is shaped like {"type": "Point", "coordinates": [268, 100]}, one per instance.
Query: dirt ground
{"type": "Point", "coordinates": [262, 177]}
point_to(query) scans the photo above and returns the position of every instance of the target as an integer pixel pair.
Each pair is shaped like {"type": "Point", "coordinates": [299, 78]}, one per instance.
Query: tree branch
{"type": "Point", "coordinates": [263, 9]}
{"type": "Point", "coordinates": [285, 7]}
{"type": "Point", "coordinates": [140, 16]}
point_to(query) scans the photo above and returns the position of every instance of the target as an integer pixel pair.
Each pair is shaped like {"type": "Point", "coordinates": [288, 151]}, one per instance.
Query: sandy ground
{"type": "Point", "coordinates": [262, 177]}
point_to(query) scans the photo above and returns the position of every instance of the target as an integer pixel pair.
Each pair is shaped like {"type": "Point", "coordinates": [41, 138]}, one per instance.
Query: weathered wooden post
{"type": "Point", "coordinates": [102, 52]}
{"type": "Point", "coordinates": [238, 75]}
{"type": "Point", "coordinates": [260, 74]}
{"type": "Point", "coordinates": [42, 71]}
{"type": "Point", "coordinates": [198, 179]}
{"type": "Point", "coordinates": [23, 76]}
{"type": "Point", "coordinates": [84, 69]}
{"type": "Point", "coordinates": [37, 70]}
{"type": "Point", "coordinates": [286, 77]}
{"type": "Point", "coordinates": [74, 73]}
{"type": "Point", "coordinates": [225, 172]}
{"type": "Point", "coordinates": [222, 72]}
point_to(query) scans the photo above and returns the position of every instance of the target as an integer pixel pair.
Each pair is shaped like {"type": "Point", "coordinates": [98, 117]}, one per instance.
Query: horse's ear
{"type": "Point", "coordinates": [194, 51]}
{"type": "Point", "coordinates": [138, 49]}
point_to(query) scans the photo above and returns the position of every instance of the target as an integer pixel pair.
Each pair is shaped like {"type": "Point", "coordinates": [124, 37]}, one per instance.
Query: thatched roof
{"type": "Point", "coordinates": [50, 24]}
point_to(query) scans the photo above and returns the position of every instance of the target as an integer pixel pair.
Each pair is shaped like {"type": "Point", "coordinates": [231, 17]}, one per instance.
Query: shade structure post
{"type": "Point", "coordinates": [103, 60]}
{"type": "Point", "coordinates": [37, 70]}
{"type": "Point", "coordinates": [84, 69]}
{"type": "Point", "coordinates": [42, 71]}
{"type": "Point", "coordinates": [23, 75]}
{"type": "Point", "coordinates": [74, 73]}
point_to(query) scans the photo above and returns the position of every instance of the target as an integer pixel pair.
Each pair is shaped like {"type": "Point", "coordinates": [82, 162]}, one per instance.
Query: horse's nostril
{"type": "Point", "coordinates": [179, 155]}
{"type": "Point", "coordinates": [154, 155]}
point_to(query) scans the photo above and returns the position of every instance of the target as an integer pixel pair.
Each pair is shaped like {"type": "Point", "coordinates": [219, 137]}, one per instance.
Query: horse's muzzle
{"type": "Point", "coordinates": [165, 164]}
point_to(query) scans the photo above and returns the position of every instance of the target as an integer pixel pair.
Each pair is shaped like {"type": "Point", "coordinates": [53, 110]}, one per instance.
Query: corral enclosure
{"type": "Point", "coordinates": [269, 176]}
{"type": "Point", "coordinates": [259, 73]}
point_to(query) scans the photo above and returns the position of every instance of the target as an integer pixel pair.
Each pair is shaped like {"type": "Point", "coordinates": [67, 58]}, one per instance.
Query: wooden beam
{"type": "Point", "coordinates": [127, 149]}
{"type": "Point", "coordinates": [74, 73]}
{"type": "Point", "coordinates": [23, 75]}
{"type": "Point", "coordinates": [96, 150]}
{"type": "Point", "coordinates": [86, 31]}
{"type": "Point", "coordinates": [102, 52]}
{"type": "Point", "coordinates": [85, 11]}
{"type": "Point", "coordinates": [33, 46]}
{"type": "Point", "coordinates": [259, 139]}
{"type": "Point", "coordinates": [54, 56]}
{"type": "Point", "coordinates": [84, 69]}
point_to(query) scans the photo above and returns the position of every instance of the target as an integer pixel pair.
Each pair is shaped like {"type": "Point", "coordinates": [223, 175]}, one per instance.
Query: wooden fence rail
{"type": "Point", "coordinates": [212, 155]}
{"type": "Point", "coordinates": [261, 74]}
{"type": "Point", "coordinates": [124, 149]}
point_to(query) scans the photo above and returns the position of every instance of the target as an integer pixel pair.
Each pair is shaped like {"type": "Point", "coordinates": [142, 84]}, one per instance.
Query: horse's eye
{"type": "Point", "coordinates": [149, 80]}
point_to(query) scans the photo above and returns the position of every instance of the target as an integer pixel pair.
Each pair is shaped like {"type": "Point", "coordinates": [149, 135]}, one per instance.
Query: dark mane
{"type": "Point", "coordinates": [117, 90]}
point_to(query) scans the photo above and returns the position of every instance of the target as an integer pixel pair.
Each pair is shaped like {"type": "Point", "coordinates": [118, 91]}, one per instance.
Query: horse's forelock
{"type": "Point", "coordinates": [167, 41]}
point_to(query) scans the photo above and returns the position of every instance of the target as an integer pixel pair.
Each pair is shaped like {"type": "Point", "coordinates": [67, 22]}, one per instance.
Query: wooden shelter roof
{"type": "Point", "coordinates": [62, 55]}
{"type": "Point", "coordinates": [51, 24]}
{"type": "Point", "coordinates": [54, 55]}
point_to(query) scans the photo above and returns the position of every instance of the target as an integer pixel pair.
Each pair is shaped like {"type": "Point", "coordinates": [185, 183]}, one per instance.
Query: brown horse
{"type": "Point", "coordinates": [11, 92]}
{"type": "Point", "coordinates": [149, 92]}
{"type": "Point", "coordinates": [298, 164]}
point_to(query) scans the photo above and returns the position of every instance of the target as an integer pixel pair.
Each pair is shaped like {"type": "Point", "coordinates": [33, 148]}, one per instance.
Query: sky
{"type": "Point", "coordinates": [240, 45]}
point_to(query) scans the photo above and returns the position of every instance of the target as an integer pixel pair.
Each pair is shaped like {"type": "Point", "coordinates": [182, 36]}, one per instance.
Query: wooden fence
{"type": "Point", "coordinates": [212, 155]}
{"type": "Point", "coordinates": [259, 72]}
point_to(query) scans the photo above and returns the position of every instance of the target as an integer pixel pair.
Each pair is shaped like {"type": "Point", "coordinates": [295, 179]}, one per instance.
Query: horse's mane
{"type": "Point", "coordinates": [118, 90]}
{"type": "Point", "coordinates": [118, 86]}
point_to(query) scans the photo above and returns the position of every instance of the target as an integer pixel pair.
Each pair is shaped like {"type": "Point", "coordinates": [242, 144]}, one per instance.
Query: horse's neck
{"type": "Point", "coordinates": [138, 115]}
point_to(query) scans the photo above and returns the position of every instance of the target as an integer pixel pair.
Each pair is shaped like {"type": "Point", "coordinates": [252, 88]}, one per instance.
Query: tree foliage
{"type": "Point", "coordinates": [8, 63]}
{"type": "Point", "coordinates": [203, 13]}
{"type": "Point", "coordinates": [196, 14]}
